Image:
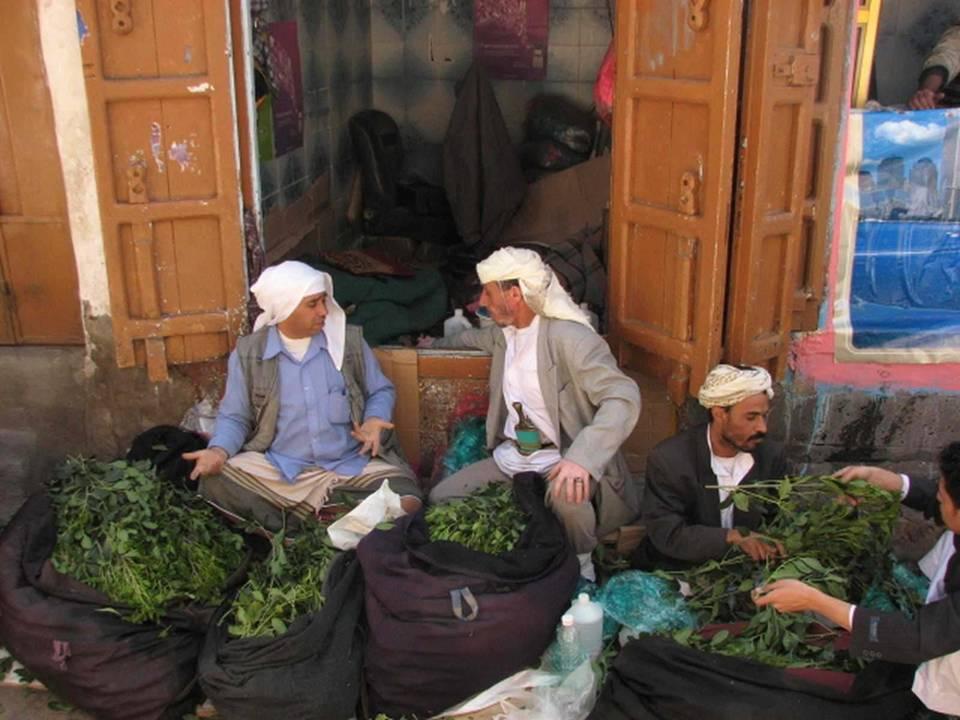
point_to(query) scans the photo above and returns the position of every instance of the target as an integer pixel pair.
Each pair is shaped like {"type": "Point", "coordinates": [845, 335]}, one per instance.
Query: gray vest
{"type": "Point", "coordinates": [263, 385]}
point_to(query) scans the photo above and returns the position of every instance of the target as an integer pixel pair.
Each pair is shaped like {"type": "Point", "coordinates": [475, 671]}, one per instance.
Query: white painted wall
{"type": "Point", "coordinates": [64, 69]}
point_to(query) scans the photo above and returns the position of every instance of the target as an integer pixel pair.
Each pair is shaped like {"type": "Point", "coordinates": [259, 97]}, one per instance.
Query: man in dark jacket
{"type": "Point", "coordinates": [932, 637]}
{"type": "Point", "coordinates": [686, 507]}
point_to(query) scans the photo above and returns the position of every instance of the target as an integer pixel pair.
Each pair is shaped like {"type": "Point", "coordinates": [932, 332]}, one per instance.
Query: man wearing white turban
{"type": "Point", "coordinates": [686, 510]}
{"type": "Point", "coordinates": [306, 410]}
{"type": "Point", "coordinates": [578, 407]}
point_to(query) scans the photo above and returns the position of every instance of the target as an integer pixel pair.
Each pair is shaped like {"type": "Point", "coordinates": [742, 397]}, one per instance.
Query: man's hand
{"type": "Point", "coordinates": [369, 434]}
{"type": "Point", "coordinates": [755, 546]}
{"type": "Point", "coordinates": [787, 596]}
{"type": "Point", "coordinates": [925, 99]}
{"type": "Point", "coordinates": [208, 462]}
{"type": "Point", "coordinates": [570, 482]}
{"type": "Point", "coordinates": [425, 341]}
{"type": "Point", "coordinates": [878, 477]}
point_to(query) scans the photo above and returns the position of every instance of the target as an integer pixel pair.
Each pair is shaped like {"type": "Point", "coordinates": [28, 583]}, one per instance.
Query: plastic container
{"type": "Point", "coordinates": [455, 324]}
{"type": "Point", "coordinates": [588, 619]}
{"type": "Point", "coordinates": [569, 653]}
{"type": "Point", "coordinates": [594, 319]}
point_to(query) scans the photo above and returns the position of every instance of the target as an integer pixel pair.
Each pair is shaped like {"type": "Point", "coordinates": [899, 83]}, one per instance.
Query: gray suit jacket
{"type": "Point", "coordinates": [592, 403]}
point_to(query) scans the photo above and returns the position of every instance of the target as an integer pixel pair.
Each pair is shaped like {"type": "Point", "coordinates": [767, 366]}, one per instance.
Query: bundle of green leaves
{"type": "Point", "coordinates": [138, 539]}
{"type": "Point", "coordinates": [288, 584]}
{"type": "Point", "coordinates": [837, 538]}
{"type": "Point", "coordinates": [488, 520]}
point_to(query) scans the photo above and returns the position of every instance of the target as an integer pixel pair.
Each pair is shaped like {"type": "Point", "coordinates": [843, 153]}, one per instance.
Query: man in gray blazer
{"type": "Point", "coordinates": [577, 406]}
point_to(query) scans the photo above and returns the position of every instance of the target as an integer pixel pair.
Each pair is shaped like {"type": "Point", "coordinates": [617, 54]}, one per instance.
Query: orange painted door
{"type": "Point", "coordinates": [836, 19]}
{"type": "Point", "coordinates": [39, 296]}
{"type": "Point", "coordinates": [782, 71]}
{"type": "Point", "coordinates": [678, 66]}
{"type": "Point", "coordinates": [159, 85]}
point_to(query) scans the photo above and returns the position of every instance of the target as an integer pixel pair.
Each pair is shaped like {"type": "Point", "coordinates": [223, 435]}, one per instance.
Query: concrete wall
{"type": "Point", "coordinates": [57, 401]}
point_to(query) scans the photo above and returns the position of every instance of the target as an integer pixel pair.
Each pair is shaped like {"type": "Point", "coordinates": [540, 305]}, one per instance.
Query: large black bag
{"type": "Point", "coordinates": [163, 446]}
{"type": "Point", "coordinates": [655, 677]}
{"type": "Point", "coordinates": [446, 622]}
{"type": "Point", "coordinates": [56, 627]}
{"type": "Point", "coordinates": [311, 671]}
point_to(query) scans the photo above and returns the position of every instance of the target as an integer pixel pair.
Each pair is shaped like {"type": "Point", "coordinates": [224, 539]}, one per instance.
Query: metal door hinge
{"type": "Point", "coordinates": [122, 21]}
{"type": "Point", "coordinates": [798, 69]}
{"type": "Point", "coordinates": [689, 187]}
{"type": "Point", "coordinates": [698, 16]}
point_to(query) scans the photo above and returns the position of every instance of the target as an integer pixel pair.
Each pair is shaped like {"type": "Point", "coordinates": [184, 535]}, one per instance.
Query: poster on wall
{"type": "Point", "coordinates": [510, 38]}
{"type": "Point", "coordinates": [898, 296]}
{"type": "Point", "coordinates": [285, 79]}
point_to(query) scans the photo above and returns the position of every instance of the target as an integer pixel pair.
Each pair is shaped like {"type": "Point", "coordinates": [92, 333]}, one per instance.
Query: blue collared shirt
{"type": "Point", "coordinates": [313, 428]}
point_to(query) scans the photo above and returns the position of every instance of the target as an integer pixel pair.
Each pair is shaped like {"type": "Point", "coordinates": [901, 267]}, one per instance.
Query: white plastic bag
{"type": "Point", "coordinates": [202, 417]}
{"type": "Point", "coordinates": [536, 695]}
{"type": "Point", "coordinates": [381, 506]}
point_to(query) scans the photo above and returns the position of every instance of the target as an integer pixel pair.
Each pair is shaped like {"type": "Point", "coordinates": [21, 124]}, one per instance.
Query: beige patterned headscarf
{"type": "Point", "coordinates": [539, 283]}
{"type": "Point", "coordinates": [727, 385]}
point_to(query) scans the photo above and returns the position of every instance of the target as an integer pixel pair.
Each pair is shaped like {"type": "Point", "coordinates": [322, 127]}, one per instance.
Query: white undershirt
{"type": "Point", "coordinates": [295, 346]}
{"type": "Point", "coordinates": [521, 383]}
{"type": "Point", "coordinates": [730, 472]}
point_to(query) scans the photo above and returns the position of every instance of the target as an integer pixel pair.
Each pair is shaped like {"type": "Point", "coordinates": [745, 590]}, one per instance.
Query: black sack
{"type": "Point", "coordinates": [421, 658]}
{"type": "Point", "coordinates": [311, 671]}
{"type": "Point", "coordinates": [164, 446]}
{"type": "Point", "coordinates": [655, 677]}
{"type": "Point", "coordinates": [56, 627]}
{"type": "Point", "coordinates": [481, 172]}
{"type": "Point", "coordinates": [559, 119]}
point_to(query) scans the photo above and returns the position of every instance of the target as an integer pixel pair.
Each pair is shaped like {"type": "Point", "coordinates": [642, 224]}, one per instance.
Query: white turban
{"type": "Point", "coordinates": [280, 289]}
{"type": "Point", "coordinates": [539, 284]}
{"type": "Point", "coordinates": [727, 385]}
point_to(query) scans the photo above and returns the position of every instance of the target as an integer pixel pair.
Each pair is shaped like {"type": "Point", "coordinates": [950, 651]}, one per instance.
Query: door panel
{"type": "Point", "coordinates": [39, 293]}
{"type": "Point", "coordinates": [782, 71]}
{"type": "Point", "coordinates": [159, 85]}
{"type": "Point", "coordinates": [837, 18]}
{"type": "Point", "coordinates": [674, 133]}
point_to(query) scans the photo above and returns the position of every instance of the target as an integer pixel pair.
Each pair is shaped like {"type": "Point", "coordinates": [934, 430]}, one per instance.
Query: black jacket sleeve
{"type": "Point", "coordinates": [936, 629]}
{"type": "Point", "coordinates": [894, 637]}
{"type": "Point", "coordinates": [669, 514]}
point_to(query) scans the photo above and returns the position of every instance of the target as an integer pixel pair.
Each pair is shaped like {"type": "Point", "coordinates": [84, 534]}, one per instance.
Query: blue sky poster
{"type": "Point", "coordinates": [899, 299]}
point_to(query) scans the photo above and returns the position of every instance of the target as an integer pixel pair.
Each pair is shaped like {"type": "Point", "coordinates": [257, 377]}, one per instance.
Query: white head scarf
{"type": "Point", "coordinates": [539, 284]}
{"type": "Point", "coordinates": [280, 289]}
{"type": "Point", "coordinates": [727, 385]}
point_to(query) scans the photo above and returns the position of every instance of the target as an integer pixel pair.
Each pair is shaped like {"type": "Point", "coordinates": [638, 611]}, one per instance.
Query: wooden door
{"type": "Point", "coordinates": [39, 295]}
{"type": "Point", "coordinates": [781, 75]}
{"type": "Point", "coordinates": [159, 85]}
{"type": "Point", "coordinates": [678, 66]}
{"type": "Point", "coordinates": [826, 144]}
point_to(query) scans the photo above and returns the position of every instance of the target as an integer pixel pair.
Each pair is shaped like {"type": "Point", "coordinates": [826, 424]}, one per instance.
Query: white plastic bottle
{"type": "Point", "coordinates": [588, 619]}
{"type": "Point", "coordinates": [455, 324]}
{"type": "Point", "coordinates": [591, 315]}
